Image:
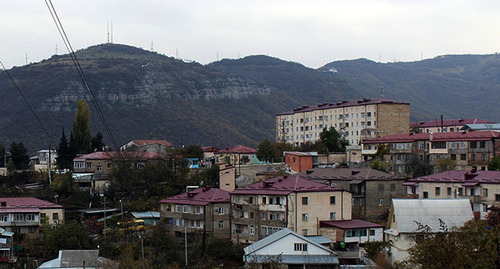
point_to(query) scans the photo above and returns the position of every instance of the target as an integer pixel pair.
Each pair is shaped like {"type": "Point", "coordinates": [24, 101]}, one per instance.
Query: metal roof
{"type": "Point", "coordinates": [146, 215]}
{"type": "Point", "coordinates": [410, 213]}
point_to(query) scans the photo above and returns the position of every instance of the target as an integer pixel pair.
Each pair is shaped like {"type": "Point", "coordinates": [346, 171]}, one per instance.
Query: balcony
{"type": "Point", "coordinates": [192, 216]}
{"type": "Point", "coordinates": [19, 223]}
{"type": "Point", "coordinates": [244, 221]}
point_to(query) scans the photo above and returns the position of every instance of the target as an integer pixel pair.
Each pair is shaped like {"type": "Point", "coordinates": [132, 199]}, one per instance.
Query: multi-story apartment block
{"type": "Point", "coordinates": [481, 187]}
{"type": "Point", "coordinates": [6, 249]}
{"type": "Point", "coordinates": [355, 120]}
{"type": "Point", "coordinates": [25, 215]}
{"type": "Point", "coordinates": [291, 202]}
{"type": "Point", "coordinates": [201, 210]}
{"type": "Point", "coordinates": [443, 126]}
{"type": "Point", "coordinates": [371, 190]}
{"type": "Point", "coordinates": [468, 149]}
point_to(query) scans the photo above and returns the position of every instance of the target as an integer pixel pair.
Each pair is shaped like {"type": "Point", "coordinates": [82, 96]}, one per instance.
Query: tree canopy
{"type": "Point", "coordinates": [332, 140]}
{"type": "Point", "coordinates": [265, 151]}
{"type": "Point", "coordinates": [81, 137]}
{"type": "Point", "coordinates": [19, 155]}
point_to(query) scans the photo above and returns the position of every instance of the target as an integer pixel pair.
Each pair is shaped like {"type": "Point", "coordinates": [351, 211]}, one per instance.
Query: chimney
{"type": "Point", "coordinates": [354, 172]}
{"type": "Point", "coordinates": [474, 169]}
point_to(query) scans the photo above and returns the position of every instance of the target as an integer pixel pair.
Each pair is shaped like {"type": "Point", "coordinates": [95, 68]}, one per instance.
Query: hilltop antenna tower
{"type": "Point", "coordinates": [56, 48]}
{"type": "Point", "coordinates": [26, 58]}
{"type": "Point", "coordinates": [176, 53]}
{"type": "Point", "coordinates": [111, 31]}
{"type": "Point", "coordinates": [152, 48]}
{"type": "Point", "coordinates": [107, 29]}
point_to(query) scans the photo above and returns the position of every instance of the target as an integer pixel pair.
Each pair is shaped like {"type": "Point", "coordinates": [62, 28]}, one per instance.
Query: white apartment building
{"type": "Point", "coordinates": [354, 120]}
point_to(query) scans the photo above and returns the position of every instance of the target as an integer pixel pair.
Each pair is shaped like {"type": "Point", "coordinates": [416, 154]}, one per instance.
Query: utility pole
{"type": "Point", "coordinates": [48, 166]}
{"type": "Point", "coordinates": [185, 245]}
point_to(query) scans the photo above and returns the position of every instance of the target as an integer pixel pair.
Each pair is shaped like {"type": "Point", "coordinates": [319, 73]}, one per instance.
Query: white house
{"type": "Point", "coordinates": [411, 217]}
{"type": "Point", "coordinates": [289, 250]}
{"type": "Point", "coordinates": [78, 259]}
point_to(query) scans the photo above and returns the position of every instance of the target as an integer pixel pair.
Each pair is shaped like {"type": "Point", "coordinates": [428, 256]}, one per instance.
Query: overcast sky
{"type": "Point", "coordinates": [309, 32]}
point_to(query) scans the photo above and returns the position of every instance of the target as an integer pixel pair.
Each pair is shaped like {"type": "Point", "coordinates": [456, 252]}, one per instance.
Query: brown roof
{"type": "Point", "coordinates": [141, 143]}
{"type": "Point", "coordinates": [453, 136]}
{"type": "Point", "coordinates": [347, 174]}
{"type": "Point", "coordinates": [112, 155]}
{"type": "Point", "coordinates": [453, 122]}
{"type": "Point", "coordinates": [202, 196]}
{"type": "Point", "coordinates": [239, 149]}
{"type": "Point", "coordinates": [466, 178]}
{"type": "Point", "coordinates": [284, 185]}
{"type": "Point", "coordinates": [349, 224]}
{"type": "Point", "coordinates": [13, 203]}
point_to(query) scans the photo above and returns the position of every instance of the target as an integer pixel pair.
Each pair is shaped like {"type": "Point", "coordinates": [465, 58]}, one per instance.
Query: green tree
{"type": "Point", "coordinates": [494, 164]}
{"type": "Point", "coordinates": [19, 155]}
{"type": "Point", "coordinates": [64, 155]}
{"type": "Point", "coordinates": [81, 128]}
{"type": "Point", "coordinates": [419, 166]}
{"type": "Point", "coordinates": [332, 140]}
{"type": "Point", "coordinates": [244, 159]}
{"type": "Point", "coordinates": [446, 164]}
{"type": "Point", "coordinates": [265, 151]}
{"type": "Point", "coordinates": [97, 144]}
{"type": "Point", "coordinates": [3, 157]}
{"type": "Point", "coordinates": [379, 165]}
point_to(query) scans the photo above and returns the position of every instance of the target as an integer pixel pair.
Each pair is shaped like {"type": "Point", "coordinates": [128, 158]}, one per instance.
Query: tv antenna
{"type": "Point", "coordinates": [152, 48]}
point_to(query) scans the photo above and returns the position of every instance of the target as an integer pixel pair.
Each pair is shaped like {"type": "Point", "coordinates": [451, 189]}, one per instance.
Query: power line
{"type": "Point", "coordinates": [29, 106]}
{"type": "Point", "coordinates": [83, 77]}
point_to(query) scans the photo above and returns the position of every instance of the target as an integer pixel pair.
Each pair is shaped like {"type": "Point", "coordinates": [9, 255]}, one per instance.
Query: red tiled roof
{"type": "Point", "coordinates": [239, 149]}
{"type": "Point", "coordinates": [209, 149]}
{"type": "Point", "coordinates": [26, 203]}
{"type": "Point", "coordinates": [202, 196]}
{"type": "Point", "coordinates": [453, 122]}
{"type": "Point", "coordinates": [349, 224]}
{"type": "Point", "coordinates": [112, 155]}
{"type": "Point", "coordinates": [141, 143]}
{"type": "Point", "coordinates": [346, 174]}
{"type": "Point", "coordinates": [284, 185]}
{"type": "Point", "coordinates": [453, 136]}
{"type": "Point", "coordinates": [468, 178]}
{"type": "Point", "coordinates": [366, 101]}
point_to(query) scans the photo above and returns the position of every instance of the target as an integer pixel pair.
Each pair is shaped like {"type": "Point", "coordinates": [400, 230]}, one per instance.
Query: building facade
{"type": "Point", "coordinates": [160, 146]}
{"type": "Point", "coordinates": [236, 155]}
{"type": "Point", "coordinates": [354, 120]}
{"type": "Point", "coordinates": [371, 190]}
{"type": "Point", "coordinates": [25, 215]}
{"type": "Point", "coordinates": [291, 202]}
{"type": "Point", "coordinates": [466, 149]}
{"type": "Point", "coordinates": [201, 210]}
{"type": "Point", "coordinates": [482, 188]}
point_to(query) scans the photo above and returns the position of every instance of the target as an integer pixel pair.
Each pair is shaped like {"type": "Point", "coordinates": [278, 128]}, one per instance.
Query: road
{"type": "Point", "coordinates": [247, 176]}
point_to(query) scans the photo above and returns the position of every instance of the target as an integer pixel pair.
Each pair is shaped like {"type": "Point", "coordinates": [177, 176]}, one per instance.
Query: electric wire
{"type": "Point", "coordinates": [82, 75]}
{"type": "Point", "coordinates": [29, 106]}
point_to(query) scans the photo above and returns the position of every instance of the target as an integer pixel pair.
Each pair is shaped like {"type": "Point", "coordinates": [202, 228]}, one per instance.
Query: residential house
{"type": "Point", "coordinates": [6, 249]}
{"type": "Point", "coordinates": [227, 178]}
{"type": "Point", "coordinates": [290, 202]}
{"type": "Point", "coordinates": [25, 215]}
{"type": "Point", "coordinates": [481, 127]}
{"type": "Point", "coordinates": [79, 259]}
{"type": "Point", "coordinates": [237, 155]}
{"type": "Point", "coordinates": [296, 162]}
{"type": "Point", "coordinates": [355, 120]}
{"type": "Point", "coordinates": [410, 218]}
{"type": "Point", "coordinates": [201, 210]}
{"type": "Point", "coordinates": [443, 126]}
{"type": "Point", "coordinates": [149, 217]}
{"type": "Point", "coordinates": [42, 159]}
{"type": "Point", "coordinates": [468, 149]}
{"type": "Point", "coordinates": [371, 190]}
{"type": "Point", "coordinates": [159, 146]}
{"type": "Point", "coordinates": [287, 249]}
{"type": "Point", "coordinates": [482, 188]}
{"type": "Point", "coordinates": [349, 235]}
{"type": "Point", "coordinates": [209, 153]}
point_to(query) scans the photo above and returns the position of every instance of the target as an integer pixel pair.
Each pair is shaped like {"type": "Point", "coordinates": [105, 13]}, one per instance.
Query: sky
{"type": "Point", "coordinates": [311, 32]}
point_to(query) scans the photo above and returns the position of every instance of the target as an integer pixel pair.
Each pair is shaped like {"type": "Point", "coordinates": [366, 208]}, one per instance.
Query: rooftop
{"type": "Point", "coordinates": [439, 137]}
{"type": "Point", "coordinates": [239, 149]}
{"type": "Point", "coordinates": [346, 174]}
{"type": "Point", "coordinates": [141, 143]}
{"type": "Point", "coordinates": [202, 196]}
{"type": "Point", "coordinates": [111, 155]}
{"type": "Point", "coordinates": [349, 224]}
{"type": "Point", "coordinates": [366, 101]}
{"type": "Point", "coordinates": [284, 185]}
{"type": "Point", "coordinates": [7, 203]}
{"type": "Point", "coordinates": [461, 176]}
{"type": "Point", "coordinates": [445, 123]}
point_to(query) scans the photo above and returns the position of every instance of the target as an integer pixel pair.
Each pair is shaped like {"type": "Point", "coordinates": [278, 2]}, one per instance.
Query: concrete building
{"type": "Point", "coordinates": [227, 178]}
{"type": "Point", "coordinates": [467, 149]}
{"type": "Point", "coordinates": [291, 202]}
{"type": "Point", "coordinates": [25, 215]}
{"type": "Point", "coordinates": [7, 257]}
{"type": "Point", "coordinates": [296, 162]}
{"type": "Point", "coordinates": [42, 159]}
{"type": "Point", "coordinates": [354, 120]}
{"type": "Point", "coordinates": [371, 190]}
{"type": "Point", "coordinates": [79, 259]}
{"type": "Point", "coordinates": [482, 188]}
{"type": "Point", "coordinates": [236, 155]}
{"type": "Point", "coordinates": [410, 217]}
{"type": "Point", "coordinates": [443, 126]}
{"type": "Point", "coordinates": [201, 210]}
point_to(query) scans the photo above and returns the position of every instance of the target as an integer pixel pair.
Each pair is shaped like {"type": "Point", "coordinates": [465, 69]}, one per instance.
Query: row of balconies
{"type": "Point", "coordinates": [19, 223]}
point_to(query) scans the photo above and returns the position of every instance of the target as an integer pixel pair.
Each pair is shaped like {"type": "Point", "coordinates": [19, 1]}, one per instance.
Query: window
{"type": "Point", "coordinates": [497, 197]}
{"type": "Point", "coordinates": [3, 217]}
{"type": "Point", "coordinates": [108, 165]}
{"type": "Point", "coordinates": [463, 157]}
{"type": "Point", "coordinates": [264, 216]}
{"type": "Point", "coordinates": [438, 191]}
{"type": "Point", "coordinates": [332, 215]}
{"type": "Point", "coordinates": [473, 144]}
{"type": "Point", "coordinates": [79, 165]}
{"type": "Point", "coordinates": [140, 165]}
{"type": "Point", "coordinates": [460, 191]}
{"type": "Point", "coordinates": [31, 230]}
{"type": "Point", "coordinates": [304, 217]}
{"type": "Point", "coordinates": [485, 192]}
{"type": "Point", "coordinates": [277, 201]}
{"type": "Point", "coordinates": [368, 114]}
{"type": "Point", "coordinates": [30, 217]}
{"type": "Point", "coordinates": [305, 232]}
{"type": "Point", "coordinates": [89, 165]}
{"type": "Point", "coordinates": [448, 191]}
{"type": "Point", "coordinates": [300, 247]}
{"type": "Point", "coordinates": [99, 168]}
{"type": "Point", "coordinates": [483, 157]}
{"type": "Point", "coordinates": [453, 157]}
{"type": "Point", "coordinates": [18, 217]}
{"type": "Point", "coordinates": [250, 200]}
{"type": "Point", "coordinates": [482, 144]}
{"type": "Point", "coordinates": [438, 145]}
{"type": "Point", "coordinates": [462, 145]}
{"type": "Point", "coordinates": [221, 210]}
{"type": "Point", "coordinates": [473, 156]}
{"type": "Point", "coordinates": [221, 224]}
{"type": "Point", "coordinates": [305, 200]}
{"type": "Point", "coordinates": [271, 200]}
{"type": "Point", "coordinates": [426, 195]}
{"type": "Point", "coordinates": [264, 198]}
{"type": "Point", "coordinates": [55, 216]}
{"type": "Point", "coordinates": [332, 200]}
{"type": "Point", "coordinates": [380, 201]}
{"type": "Point", "coordinates": [372, 232]}
{"type": "Point", "coordinates": [252, 230]}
